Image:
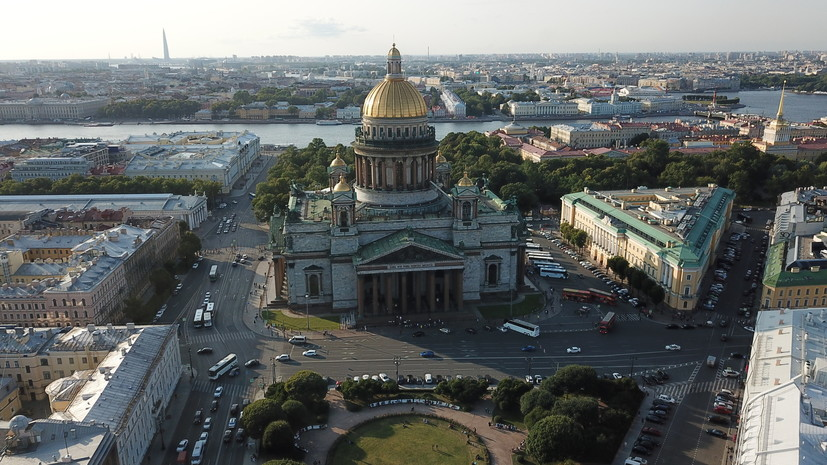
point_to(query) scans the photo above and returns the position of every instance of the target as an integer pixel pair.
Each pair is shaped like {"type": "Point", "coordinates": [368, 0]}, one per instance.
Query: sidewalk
{"type": "Point", "coordinates": [165, 440]}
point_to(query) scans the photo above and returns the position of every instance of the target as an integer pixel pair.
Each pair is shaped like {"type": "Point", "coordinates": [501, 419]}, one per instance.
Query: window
{"type": "Point", "coordinates": [689, 277]}
{"type": "Point", "coordinates": [47, 375]}
{"type": "Point", "coordinates": [71, 360]}
{"type": "Point", "coordinates": [44, 362]}
{"type": "Point", "coordinates": [686, 291]}
{"type": "Point", "coordinates": [28, 369]}
{"type": "Point", "coordinates": [59, 361]}
{"type": "Point", "coordinates": [84, 360]}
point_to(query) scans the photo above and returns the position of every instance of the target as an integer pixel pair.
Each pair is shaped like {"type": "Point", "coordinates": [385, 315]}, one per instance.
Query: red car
{"type": "Point", "coordinates": [651, 431]}
{"type": "Point", "coordinates": [722, 410]}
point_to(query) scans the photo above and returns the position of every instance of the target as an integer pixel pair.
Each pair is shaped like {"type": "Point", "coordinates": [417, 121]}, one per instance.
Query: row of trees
{"type": "Point", "coordinates": [287, 407]}
{"type": "Point", "coordinates": [77, 184]}
{"type": "Point", "coordinates": [565, 417]}
{"type": "Point", "coordinates": [799, 82]}
{"type": "Point", "coordinates": [574, 236]}
{"type": "Point", "coordinates": [150, 109]}
{"type": "Point", "coordinates": [636, 278]}
{"type": "Point", "coordinates": [272, 95]}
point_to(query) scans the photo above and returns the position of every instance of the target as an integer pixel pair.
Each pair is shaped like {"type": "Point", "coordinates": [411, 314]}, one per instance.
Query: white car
{"type": "Point", "coordinates": [384, 377]}
{"type": "Point", "coordinates": [310, 353]}
{"type": "Point", "coordinates": [502, 329]}
{"type": "Point", "coordinates": [638, 460]}
{"type": "Point", "coordinates": [283, 358]}
{"type": "Point", "coordinates": [182, 446]}
{"type": "Point", "coordinates": [617, 376]}
{"type": "Point", "coordinates": [673, 347]}
{"type": "Point", "coordinates": [218, 392]}
{"type": "Point", "coordinates": [666, 398]}
{"type": "Point", "coordinates": [730, 373]}
{"type": "Point", "coordinates": [573, 350]}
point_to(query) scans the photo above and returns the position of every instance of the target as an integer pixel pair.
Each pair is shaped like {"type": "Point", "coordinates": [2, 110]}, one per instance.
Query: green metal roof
{"type": "Point", "coordinates": [776, 274]}
{"type": "Point", "coordinates": [401, 239]}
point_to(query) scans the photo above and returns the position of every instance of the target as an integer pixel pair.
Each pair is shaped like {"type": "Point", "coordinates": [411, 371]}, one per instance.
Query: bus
{"type": "Point", "coordinates": [603, 297]}
{"type": "Point", "coordinates": [577, 295]}
{"type": "Point", "coordinates": [547, 263]}
{"type": "Point", "coordinates": [198, 451]}
{"type": "Point", "coordinates": [533, 246]}
{"type": "Point", "coordinates": [607, 323]}
{"type": "Point", "coordinates": [252, 195]}
{"type": "Point", "coordinates": [213, 273]}
{"type": "Point", "coordinates": [225, 365]}
{"type": "Point", "coordinates": [208, 319]}
{"type": "Point", "coordinates": [210, 308]}
{"type": "Point", "coordinates": [539, 256]}
{"type": "Point", "coordinates": [553, 273]}
{"type": "Point", "coordinates": [537, 253]}
{"type": "Point", "coordinates": [522, 327]}
{"type": "Point", "coordinates": [198, 321]}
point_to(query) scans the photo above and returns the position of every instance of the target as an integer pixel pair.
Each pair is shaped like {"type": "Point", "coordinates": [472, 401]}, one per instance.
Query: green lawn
{"type": "Point", "coordinates": [530, 303]}
{"type": "Point", "coordinates": [280, 320]}
{"type": "Point", "coordinates": [386, 441]}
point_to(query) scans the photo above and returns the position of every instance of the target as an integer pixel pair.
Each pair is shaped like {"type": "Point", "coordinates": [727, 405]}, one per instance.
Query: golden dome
{"type": "Point", "coordinates": [465, 181]}
{"type": "Point", "coordinates": [394, 98]}
{"type": "Point", "coordinates": [337, 161]}
{"type": "Point", "coordinates": [440, 158]}
{"type": "Point", "coordinates": [394, 53]}
{"type": "Point", "coordinates": [342, 185]}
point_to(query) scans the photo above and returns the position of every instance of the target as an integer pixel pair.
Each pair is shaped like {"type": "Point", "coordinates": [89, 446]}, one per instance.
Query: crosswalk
{"type": "Point", "coordinates": [681, 389]}
{"type": "Point", "coordinates": [208, 336]}
{"type": "Point", "coordinates": [231, 391]}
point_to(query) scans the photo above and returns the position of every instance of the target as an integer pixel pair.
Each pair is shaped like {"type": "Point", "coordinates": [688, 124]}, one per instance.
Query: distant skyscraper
{"type": "Point", "coordinates": [166, 48]}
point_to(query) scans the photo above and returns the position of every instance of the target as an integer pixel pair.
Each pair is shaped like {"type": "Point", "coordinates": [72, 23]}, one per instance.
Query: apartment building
{"type": "Point", "coordinates": [670, 234]}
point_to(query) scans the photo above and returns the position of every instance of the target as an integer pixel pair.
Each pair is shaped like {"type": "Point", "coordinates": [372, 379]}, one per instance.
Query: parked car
{"type": "Point", "coordinates": [666, 398]}
{"type": "Point", "coordinates": [716, 432]}
{"type": "Point", "coordinates": [427, 354]}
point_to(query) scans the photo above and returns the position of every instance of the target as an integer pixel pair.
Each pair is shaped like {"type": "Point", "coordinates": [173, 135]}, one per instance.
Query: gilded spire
{"type": "Point", "coordinates": [465, 181]}
{"type": "Point", "coordinates": [780, 114]}
{"type": "Point", "coordinates": [338, 160]}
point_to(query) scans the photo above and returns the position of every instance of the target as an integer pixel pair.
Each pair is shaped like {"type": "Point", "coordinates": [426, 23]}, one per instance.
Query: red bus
{"type": "Point", "coordinates": [577, 295]}
{"type": "Point", "coordinates": [603, 297]}
{"type": "Point", "coordinates": [607, 323]}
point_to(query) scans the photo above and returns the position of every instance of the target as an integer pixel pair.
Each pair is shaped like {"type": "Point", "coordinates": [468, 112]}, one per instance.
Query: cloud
{"type": "Point", "coordinates": [324, 28]}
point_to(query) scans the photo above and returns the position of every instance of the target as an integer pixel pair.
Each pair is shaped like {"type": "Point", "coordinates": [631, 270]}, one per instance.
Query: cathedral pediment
{"type": "Point", "coordinates": [407, 247]}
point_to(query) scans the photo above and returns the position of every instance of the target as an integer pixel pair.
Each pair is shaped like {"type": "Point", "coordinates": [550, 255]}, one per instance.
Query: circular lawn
{"type": "Point", "coordinates": [408, 440]}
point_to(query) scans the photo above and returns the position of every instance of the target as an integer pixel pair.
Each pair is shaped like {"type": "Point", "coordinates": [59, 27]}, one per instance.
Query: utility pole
{"type": "Point", "coordinates": [396, 360]}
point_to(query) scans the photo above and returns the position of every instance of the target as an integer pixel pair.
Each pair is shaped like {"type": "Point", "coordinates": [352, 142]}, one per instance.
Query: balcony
{"type": "Point", "coordinates": [427, 139]}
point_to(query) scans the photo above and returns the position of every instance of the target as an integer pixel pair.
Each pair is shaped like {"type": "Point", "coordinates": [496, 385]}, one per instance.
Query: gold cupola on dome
{"type": "Point", "coordinates": [342, 185]}
{"type": "Point", "coordinates": [394, 97]}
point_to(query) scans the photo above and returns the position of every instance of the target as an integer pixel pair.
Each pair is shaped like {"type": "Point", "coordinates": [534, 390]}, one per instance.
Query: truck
{"type": "Point", "coordinates": [607, 322]}
{"type": "Point", "coordinates": [711, 361]}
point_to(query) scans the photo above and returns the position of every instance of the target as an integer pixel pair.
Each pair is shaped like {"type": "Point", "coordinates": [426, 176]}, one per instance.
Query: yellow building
{"type": "Point", "coordinates": [670, 234]}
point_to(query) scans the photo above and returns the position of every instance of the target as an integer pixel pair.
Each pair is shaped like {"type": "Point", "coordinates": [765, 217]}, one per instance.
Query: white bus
{"type": "Point", "coordinates": [208, 319]}
{"type": "Point", "coordinates": [198, 321]}
{"type": "Point", "coordinates": [533, 246]}
{"type": "Point", "coordinates": [210, 307]}
{"type": "Point", "coordinates": [553, 274]}
{"type": "Point", "coordinates": [531, 255]}
{"type": "Point", "coordinates": [522, 327]}
{"type": "Point", "coordinates": [225, 365]}
{"type": "Point", "coordinates": [198, 452]}
{"type": "Point", "coordinates": [546, 263]}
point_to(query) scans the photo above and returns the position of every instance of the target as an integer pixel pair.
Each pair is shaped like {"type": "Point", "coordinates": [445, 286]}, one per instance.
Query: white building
{"type": "Point", "coordinates": [48, 109]}
{"type": "Point", "coordinates": [783, 418]}
{"type": "Point", "coordinates": [349, 112]}
{"type": "Point", "coordinates": [541, 109]}
{"type": "Point", "coordinates": [189, 208]}
{"type": "Point", "coordinates": [454, 105]}
{"type": "Point", "coordinates": [128, 389]}
{"type": "Point", "coordinates": [53, 168]}
{"type": "Point", "coordinates": [224, 157]}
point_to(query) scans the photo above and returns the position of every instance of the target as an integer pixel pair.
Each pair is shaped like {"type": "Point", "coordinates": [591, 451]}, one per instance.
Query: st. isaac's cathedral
{"type": "Point", "coordinates": [393, 235]}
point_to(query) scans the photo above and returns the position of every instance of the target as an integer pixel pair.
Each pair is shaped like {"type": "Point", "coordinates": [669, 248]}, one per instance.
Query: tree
{"type": "Point", "coordinates": [555, 437]}
{"type": "Point", "coordinates": [536, 398]}
{"type": "Point", "coordinates": [278, 437]}
{"type": "Point", "coordinates": [581, 409]}
{"type": "Point", "coordinates": [535, 415]}
{"type": "Point", "coordinates": [306, 386]}
{"type": "Point", "coordinates": [508, 393]}
{"type": "Point", "coordinates": [188, 248]}
{"type": "Point", "coordinates": [636, 140]}
{"type": "Point", "coordinates": [463, 390]}
{"type": "Point", "coordinates": [571, 379]}
{"type": "Point", "coordinates": [162, 280]}
{"type": "Point", "coordinates": [259, 414]}
{"type": "Point", "coordinates": [296, 413]}
{"type": "Point", "coordinates": [656, 295]}
{"type": "Point", "coordinates": [618, 265]}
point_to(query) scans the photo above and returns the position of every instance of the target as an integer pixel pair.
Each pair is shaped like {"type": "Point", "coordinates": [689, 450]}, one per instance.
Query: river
{"type": "Point", "coordinates": [796, 108]}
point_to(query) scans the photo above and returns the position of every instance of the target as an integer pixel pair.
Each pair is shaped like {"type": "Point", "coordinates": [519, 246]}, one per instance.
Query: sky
{"type": "Point", "coordinates": [98, 29]}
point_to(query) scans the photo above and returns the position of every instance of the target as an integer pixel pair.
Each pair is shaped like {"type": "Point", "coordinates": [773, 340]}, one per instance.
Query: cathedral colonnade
{"type": "Point", "coordinates": [400, 293]}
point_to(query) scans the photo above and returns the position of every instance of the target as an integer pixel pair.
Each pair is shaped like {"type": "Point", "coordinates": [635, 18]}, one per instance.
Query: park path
{"type": "Point", "coordinates": [499, 442]}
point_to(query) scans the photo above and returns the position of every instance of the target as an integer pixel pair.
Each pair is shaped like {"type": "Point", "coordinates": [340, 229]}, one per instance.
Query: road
{"type": "Point", "coordinates": [636, 345]}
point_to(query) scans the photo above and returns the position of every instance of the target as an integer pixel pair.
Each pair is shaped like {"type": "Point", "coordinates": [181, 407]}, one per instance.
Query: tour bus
{"type": "Point", "coordinates": [252, 195]}
{"type": "Point", "coordinates": [198, 451]}
{"type": "Point", "coordinates": [213, 273]}
{"type": "Point", "coordinates": [198, 321]}
{"type": "Point", "coordinates": [222, 367]}
{"type": "Point", "coordinates": [522, 327]}
{"type": "Point", "coordinates": [537, 253]}
{"type": "Point", "coordinates": [603, 297]}
{"type": "Point", "coordinates": [547, 264]}
{"type": "Point", "coordinates": [533, 246]}
{"type": "Point", "coordinates": [210, 307]}
{"type": "Point", "coordinates": [539, 256]}
{"type": "Point", "coordinates": [553, 273]}
{"type": "Point", "coordinates": [577, 295]}
{"type": "Point", "coordinates": [208, 319]}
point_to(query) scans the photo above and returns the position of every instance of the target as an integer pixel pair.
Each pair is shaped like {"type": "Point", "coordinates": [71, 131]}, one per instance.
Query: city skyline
{"type": "Point", "coordinates": [368, 27]}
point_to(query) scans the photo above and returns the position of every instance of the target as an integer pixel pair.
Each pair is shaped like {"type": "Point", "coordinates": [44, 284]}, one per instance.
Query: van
{"type": "Point", "coordinates": [298, 340]}
{"type": "Point", "coordinates": [711, 361]}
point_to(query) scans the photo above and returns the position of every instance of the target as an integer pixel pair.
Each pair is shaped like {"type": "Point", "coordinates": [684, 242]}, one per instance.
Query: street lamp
{"type": "Point", "coordinates": [528, 359]}
{"type": "Point", "coordinates": [189, 351]}
{"type": "Point", "coordinates": [632, 369]}
{"type": "Point", "coordinates": [396, 361]}
{"type": "Point", "coordinates": [307, 309]}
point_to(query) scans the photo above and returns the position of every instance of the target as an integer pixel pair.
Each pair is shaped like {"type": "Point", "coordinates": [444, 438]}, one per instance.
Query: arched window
{"type": "Point", "coordinates": [76, 313]}
{"type": "Point", "coordinates": [466, 210]}
{"type": "Point", "coordinates": [74, 303]}
{"type": "Point", "coordinates": [83, 302]}
{"type": "Point", "coordinates": [64, 302]}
